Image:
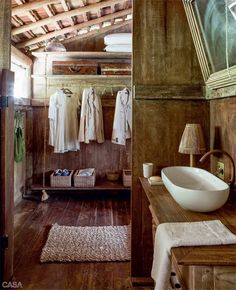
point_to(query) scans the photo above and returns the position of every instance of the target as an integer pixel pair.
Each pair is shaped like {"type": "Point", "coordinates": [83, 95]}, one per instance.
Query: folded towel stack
{"type": "Point", "coordinates": [118, 42]}
{"type": "Point", "coordinates": [169, 235]}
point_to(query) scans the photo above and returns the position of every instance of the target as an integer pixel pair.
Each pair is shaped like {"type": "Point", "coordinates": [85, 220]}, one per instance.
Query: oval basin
{"type": "Point", "coordinates": [194, 188]}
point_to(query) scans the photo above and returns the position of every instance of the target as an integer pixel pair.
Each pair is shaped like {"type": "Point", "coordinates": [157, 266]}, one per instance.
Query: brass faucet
{"type": "Point", "coordinates": [218, 151]}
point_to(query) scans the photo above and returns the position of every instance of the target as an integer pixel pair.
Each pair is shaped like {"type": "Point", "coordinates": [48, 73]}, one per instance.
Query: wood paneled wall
{"type": "Point", "coordinates": [165, 71]}
{"type": "Point", "coordinates": [223, 130]}
{"type": "Point", "coordinates": [163, 123]}
{"type": "Point", "coordinates": [157, 130]}
{"type": "Point", "coordinates": [163, 48]}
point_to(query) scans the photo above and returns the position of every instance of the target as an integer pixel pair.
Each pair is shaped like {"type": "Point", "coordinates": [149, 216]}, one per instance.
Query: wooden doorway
{"type": "Point", "coordinates": [6, 141]}
{"type": "Point", "coordinates": [7, 170]}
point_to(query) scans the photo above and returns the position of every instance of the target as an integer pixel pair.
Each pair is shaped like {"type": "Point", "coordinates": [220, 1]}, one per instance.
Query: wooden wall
{"type": "Point", "coordinates": [103, 157]}
{"type": "Point", "coordinates": [163, 53]}
{"type": "Point", "coordinates": [168, 94]}
{"type": "Point", "coordinates": [223, 130]}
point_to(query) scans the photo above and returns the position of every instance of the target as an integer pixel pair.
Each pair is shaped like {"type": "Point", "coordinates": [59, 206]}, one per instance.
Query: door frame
{"type": "Point", "coordinates": [6, 148]}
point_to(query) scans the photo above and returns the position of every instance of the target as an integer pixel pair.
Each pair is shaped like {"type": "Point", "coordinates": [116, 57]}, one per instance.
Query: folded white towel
{"type": "Point", "coordinates": [86, 172]}
{"type": "Point", "coordinates": [118, 38]}
{"type": "Point", "coordinates": [170, 235]}
{"type": "Point", "coordinates": [119, 48]}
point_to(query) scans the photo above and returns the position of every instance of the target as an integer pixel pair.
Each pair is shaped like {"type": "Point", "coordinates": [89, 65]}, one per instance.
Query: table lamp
{"type": "Point", "coordinates": [192, 142]}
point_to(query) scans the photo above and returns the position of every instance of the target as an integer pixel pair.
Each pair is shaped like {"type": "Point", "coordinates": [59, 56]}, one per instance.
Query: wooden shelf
{"type": "Point", "coordinates": [81, 77]}
{"type": "Point", "coordinates": [100, 185]}
{"type": "Point", "coordinates": [82, 54]}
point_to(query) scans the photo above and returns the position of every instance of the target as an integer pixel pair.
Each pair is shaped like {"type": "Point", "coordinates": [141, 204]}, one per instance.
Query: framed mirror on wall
{"type": "Point", "coordinates": [213, 27]}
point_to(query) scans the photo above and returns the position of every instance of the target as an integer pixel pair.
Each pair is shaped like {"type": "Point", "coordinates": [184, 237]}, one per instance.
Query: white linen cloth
{"type": "Point", "coordinates": [91, 118]}
{"type": "Point", "coordinates": [169, 235]}
{"type": "Point", "coordinates": [118, 38]}
{"type": "Point", "coordinates": [119, 48]}
{"type": "Point", "coordinates": [86, 172]}
{"type": "Point", "coordinates": [122, 125]}
{"type": "Point", "coordinates": [63, 122]}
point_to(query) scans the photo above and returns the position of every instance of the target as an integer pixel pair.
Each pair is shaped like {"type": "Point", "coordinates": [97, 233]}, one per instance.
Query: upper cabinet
{"type": "Point", "coordinates": [213, 25]}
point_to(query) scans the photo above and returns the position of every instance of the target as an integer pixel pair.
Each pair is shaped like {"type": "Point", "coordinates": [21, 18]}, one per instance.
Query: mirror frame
{"type": "Point", "coordinates": [220, 79]}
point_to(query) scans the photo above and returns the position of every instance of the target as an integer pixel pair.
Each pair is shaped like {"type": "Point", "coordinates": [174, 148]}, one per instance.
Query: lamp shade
{"type": "Point", "coordinates": [192, 141]}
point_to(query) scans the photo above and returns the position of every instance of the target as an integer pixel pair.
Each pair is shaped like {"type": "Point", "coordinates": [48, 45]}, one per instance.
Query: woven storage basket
{"type": "Point", "coordinates": [61, 181]}
{"type": "Point", "coordinates": [84, 181]}
{"type": "Point", "coordinates": [127, 177]}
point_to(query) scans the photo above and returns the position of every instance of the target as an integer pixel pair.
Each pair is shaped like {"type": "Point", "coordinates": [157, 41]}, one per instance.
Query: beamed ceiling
{"type": "Point", "coordinates": [36, 22]}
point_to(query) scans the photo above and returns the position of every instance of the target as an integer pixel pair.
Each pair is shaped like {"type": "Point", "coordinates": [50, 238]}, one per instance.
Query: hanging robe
{"type": "Point", "coordinates": [63, 122]}
{"type": "Point", "coordinates": [91, 118]}
{"type": "Point", "coordinates": [122, 125]}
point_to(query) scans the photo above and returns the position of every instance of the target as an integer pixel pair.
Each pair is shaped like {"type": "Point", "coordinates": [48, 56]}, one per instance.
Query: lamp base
{"type": "Point", "coordinates": [192, 160]}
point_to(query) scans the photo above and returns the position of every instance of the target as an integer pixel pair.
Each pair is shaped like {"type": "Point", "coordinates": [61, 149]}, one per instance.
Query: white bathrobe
{"type": "Point", "coordinates": [91, 118]}
{"type": "Point", "coordinates": [122, 125]}
{"type": "Point", "coordinates": [63, 122]}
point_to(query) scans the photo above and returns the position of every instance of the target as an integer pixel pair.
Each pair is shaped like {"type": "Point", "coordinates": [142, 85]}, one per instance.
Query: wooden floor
{"type": "Point", "coordinates": [32, 223]}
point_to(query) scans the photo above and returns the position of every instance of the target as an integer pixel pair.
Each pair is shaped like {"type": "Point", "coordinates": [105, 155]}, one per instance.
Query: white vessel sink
{"type": "Point", "coordinates": [194, 188]}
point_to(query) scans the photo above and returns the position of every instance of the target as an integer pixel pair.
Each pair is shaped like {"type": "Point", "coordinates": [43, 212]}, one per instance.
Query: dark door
{"type": "Point", "coordinates": [6, 174]}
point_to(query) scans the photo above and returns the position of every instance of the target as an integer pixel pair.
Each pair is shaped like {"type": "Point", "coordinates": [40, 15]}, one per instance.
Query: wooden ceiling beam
{"type": "Point", "coordinates": [112, 11]}
{"type": "Point", "coordinates": [22, 9]}
{"type": "Point", "coordinates": [97, 32]}
{"type": "Point", "coordinates": [32, 17]}
{"type": "Point", "coordinates": [94, 33]}
{"type": "Point", "coordinates": [82, 4]}
{"type": "Point", "coordinates": [50, 13]}
{"type": "Point", "coordinates": [74, 28]}
{"type": "Point", "coordinates": [18, 22]}
{"type": "Point", "coordinates": [66, 7]}
{"type": "Point", "coordinates": [64, 15]}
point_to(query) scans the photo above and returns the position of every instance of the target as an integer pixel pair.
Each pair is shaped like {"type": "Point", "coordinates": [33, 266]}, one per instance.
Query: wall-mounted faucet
{"type": "Point", "coordinates": [218, 151]}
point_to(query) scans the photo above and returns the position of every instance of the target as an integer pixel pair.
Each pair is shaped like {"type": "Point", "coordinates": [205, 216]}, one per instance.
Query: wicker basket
{"type": "Point", "coordinates": [84, 181]}
{"type": "Point", "coordinates": [61, 181]}
{"type": "Point", "coordinates": [112, 175]}
{"type": "Point", "coordinates": [127, 177]}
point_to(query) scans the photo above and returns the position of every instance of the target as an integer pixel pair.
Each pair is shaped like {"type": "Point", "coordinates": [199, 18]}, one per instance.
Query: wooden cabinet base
{"type": "Point", "coordinates": [195, 268]}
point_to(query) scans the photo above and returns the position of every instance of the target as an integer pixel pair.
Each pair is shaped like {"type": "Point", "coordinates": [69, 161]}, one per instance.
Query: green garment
{"type": "Point", "coordinates": [19, 137]}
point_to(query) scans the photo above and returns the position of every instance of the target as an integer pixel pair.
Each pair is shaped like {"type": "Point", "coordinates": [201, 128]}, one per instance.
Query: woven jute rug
{"type": "Point", "coordinates": [70, 244]}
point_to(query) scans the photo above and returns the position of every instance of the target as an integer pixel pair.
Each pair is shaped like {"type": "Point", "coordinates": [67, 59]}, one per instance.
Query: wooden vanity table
{"type": "Point", "coordinates": [196, 268]}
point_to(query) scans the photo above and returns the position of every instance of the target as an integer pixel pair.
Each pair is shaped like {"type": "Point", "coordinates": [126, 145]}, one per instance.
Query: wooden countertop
{"type": "Point", "coordinates": [166, 209]}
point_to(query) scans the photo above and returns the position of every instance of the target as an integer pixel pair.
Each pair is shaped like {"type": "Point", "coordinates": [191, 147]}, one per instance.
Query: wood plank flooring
{"type": "Point", "coordinates": [32, 223]}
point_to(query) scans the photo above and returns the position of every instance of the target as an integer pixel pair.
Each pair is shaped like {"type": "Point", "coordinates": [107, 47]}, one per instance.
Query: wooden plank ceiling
{"type": "Point", "coordinates": [35, 22]}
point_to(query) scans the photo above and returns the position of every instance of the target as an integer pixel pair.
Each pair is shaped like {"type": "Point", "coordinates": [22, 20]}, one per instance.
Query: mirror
{"type": "Point", "coordinates": [213, 25]}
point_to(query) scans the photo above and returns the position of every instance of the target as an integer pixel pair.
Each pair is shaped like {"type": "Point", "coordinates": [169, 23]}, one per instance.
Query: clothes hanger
{"type": "Point", "coordinates": [112, 92]}
{"type": "Point", "coordinates": [66, 91]}
{"type": "Point", "coordinates": [126, 90]}
{"type": "Point", "coordinates": [104, 91]}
